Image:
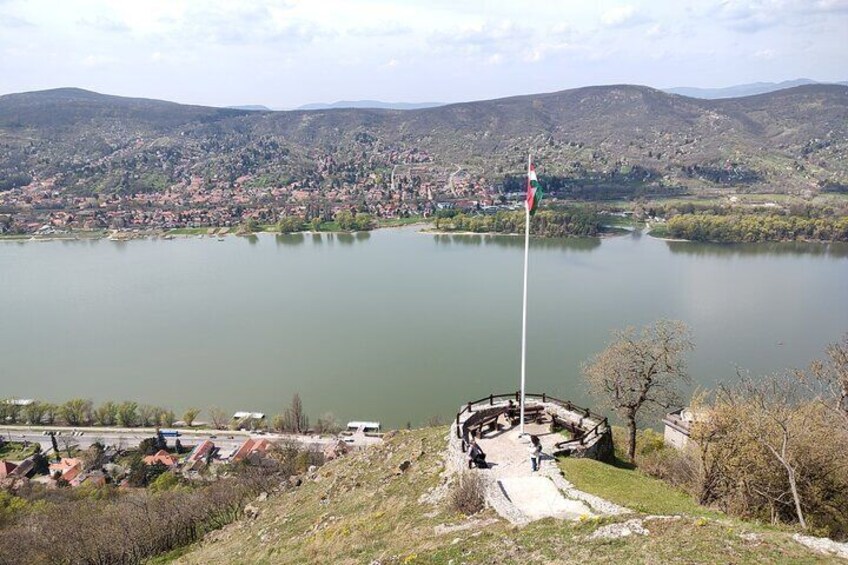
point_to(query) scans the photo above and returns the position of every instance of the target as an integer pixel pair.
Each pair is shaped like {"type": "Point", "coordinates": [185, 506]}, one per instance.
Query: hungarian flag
{"type": "Point", "coordinates": [534, 190]}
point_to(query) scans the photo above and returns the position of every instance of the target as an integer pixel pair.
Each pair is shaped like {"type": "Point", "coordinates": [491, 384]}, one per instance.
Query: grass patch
{"type": "Point", "coordinates": [15, 451]}
{"type": "Point", "coordinates": [629, 487]}
{"type": "Point", "coordinates": [170, 556]}
{"type": "Point", "coordinates": [610, 221]}
{"type": "Point", "coordinates": [188, 231]}
{"type": "Point", "coordinates": [658, 230]}
{"type": "Point", "coordinates": [397, 222]}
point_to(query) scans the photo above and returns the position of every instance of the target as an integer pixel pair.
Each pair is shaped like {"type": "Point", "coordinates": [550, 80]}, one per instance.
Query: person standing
{"type": "Point", "coordinates": [535, 452]}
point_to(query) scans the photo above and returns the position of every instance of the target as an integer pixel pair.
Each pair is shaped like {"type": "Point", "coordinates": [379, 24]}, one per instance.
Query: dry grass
{"type": "Point", "coordinates": [361, 508]}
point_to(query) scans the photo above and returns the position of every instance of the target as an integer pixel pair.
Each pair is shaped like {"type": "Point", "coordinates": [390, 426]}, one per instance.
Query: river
{"type": "Point", "coordinates": [393, 325]}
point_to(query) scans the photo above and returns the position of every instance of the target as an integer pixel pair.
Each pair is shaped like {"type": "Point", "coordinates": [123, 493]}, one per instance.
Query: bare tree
{"type": "Point", "coordinates": [829, 379]}
{"type": "Point", "coordinates": [293, 419]}
{"type": "Point", "coordinates": [639, 372]}
{"type": "Point", "coordinates": [327, 424]}
{"type": "Point", "coordinates": [218, 418]}
{"type": "Point", "coordinates": [767, 413]}
{"type": "Point", "coordinates": [148, 415]}
{"type": "Point", "coordinates": [166, 417]}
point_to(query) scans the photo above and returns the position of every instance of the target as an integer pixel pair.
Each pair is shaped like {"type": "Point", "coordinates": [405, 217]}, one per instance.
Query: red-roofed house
{"type": "Point", "coordinates": [6, 468]}
{"type": "Point", "coordinates": [161, 457]}
{"type": "Point", "coordinates": [200, 452]}
{"type": "Point", "coordinates": [68, 467]}
{"type": "Point", "coordinates": [251, 446]}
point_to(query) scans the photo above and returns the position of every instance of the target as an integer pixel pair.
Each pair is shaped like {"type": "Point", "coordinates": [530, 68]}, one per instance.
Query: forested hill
{"type": "Point", "coordinates": [631, 136]}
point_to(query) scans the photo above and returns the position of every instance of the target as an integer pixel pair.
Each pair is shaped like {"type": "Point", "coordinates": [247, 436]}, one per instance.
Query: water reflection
{"type": "Point", "coordinates": [771, 249]}
{"type": "Point", "coordinates": [345, 238]}
{"type": "Point", "coordinates": [509, 241]}
{"type": "Point", "coordinates": [316, 238]}
{"type": "Point", "coordinates": [289, 239]}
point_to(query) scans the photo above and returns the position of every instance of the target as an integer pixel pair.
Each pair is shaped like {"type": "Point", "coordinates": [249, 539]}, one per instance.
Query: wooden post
{"type": "Point", "coordinates": [491, 399]}
{"type": "Point", "coordinates": [469, 408]}
{"type": "Point", "coordinates": [544, 397]}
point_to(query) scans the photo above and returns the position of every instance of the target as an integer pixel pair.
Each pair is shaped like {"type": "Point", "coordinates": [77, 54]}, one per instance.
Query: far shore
{"type": "Point", "coordinates": [178, 233]}
{"type": "Point", "coordinates": [220, 232]}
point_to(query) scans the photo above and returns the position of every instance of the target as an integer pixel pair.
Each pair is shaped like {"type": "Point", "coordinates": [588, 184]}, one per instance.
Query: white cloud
{"type": "Point", "coordinates": [655, 30]}
{"type": "Point", "coordinates": [95, 61]}
{"type": "Point", "coordinates": [481, 36]}
{"type": "Point", "coordinates": [103, 23]}
{"type": "Point", "coordinates": [225, 52]}
{"type": "Point", "coordinates": [622, 16]}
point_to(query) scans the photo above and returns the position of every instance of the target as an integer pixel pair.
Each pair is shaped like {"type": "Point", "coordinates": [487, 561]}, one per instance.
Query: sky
{"type": "Point", "coordinates": [283, 54]}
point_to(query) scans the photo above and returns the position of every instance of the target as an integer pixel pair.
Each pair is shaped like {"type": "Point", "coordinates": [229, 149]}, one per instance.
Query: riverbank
{"type": "Point", "coordinates": [212, 232]}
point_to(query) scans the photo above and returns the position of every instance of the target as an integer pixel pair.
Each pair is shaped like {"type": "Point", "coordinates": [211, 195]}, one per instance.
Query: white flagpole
{"type": "Point", "coordinates": [524, 309]}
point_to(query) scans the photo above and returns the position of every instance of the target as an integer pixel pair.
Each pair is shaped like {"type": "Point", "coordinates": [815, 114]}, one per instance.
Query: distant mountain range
{"type": "Point", "coordinates": [693, 92]}
{"type": "Point", "coordinates": [602, 141]}
{"type": "Point", "coordinates": [741, 89]}
{"type": "Point", "coordinates": [251, 108]}
{"type": "Point", "coordinates": [371, 104]}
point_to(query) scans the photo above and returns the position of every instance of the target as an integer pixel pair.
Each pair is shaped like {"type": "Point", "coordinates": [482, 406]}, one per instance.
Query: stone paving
{"type": "Point", "coordinates": [520, 495]}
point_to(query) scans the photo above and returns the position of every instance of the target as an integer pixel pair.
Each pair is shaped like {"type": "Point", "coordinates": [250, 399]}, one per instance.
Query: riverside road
{"type": "Point", "coordinates": [127, 438]}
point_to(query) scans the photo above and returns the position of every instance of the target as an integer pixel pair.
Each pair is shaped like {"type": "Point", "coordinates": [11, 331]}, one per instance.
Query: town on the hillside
{"type": "Point", "coordinates": [41, 207]}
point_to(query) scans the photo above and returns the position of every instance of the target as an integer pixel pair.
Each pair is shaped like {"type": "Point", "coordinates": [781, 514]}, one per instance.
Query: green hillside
{"type": "Point", "coordinates": [590, 142]}
{"type": "Point", "coordinates": [363, 508]}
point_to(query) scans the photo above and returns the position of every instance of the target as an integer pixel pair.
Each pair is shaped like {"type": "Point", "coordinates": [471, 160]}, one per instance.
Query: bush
{"type": "Point", "coordinates": [469, 494]}
{"type": "Point", "coordinates": [678, 468]}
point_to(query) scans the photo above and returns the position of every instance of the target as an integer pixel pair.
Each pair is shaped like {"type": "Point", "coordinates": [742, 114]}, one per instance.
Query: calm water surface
{"type": "Point", "coordinates": [395, 325]}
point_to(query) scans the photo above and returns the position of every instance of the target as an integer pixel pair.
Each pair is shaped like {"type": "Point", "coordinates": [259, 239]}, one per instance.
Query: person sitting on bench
{"type": "Point", "coordinates": [512, 412]}
{"type": "Point", "coordinates": [476, 457]}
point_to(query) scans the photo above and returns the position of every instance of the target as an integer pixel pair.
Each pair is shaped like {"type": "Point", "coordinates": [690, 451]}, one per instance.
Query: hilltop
{"type": "Point", "coordinates": [738, 90]}
{"type": "Point", "coordinates": [370, 104]}
{"type": "Point", "coordinates": [593, 142]}
{"type": "Point", "coordinates": [389, 504]}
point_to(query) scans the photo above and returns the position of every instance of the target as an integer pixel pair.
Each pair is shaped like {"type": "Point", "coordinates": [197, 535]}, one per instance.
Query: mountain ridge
{"type": "Point", "coordinates": [791, 139]}
{"type": "Point", "coordinates": [376, 104]}
{"type": "Point", "coordinates": [741, 90]}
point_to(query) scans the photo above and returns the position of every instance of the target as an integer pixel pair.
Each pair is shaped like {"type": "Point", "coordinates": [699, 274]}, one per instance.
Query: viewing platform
{"type": "Point", "coordinates": [517, 493]}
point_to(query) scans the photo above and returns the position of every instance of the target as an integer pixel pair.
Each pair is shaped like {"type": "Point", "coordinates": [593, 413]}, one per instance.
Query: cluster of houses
{"type": "Point", "coordinates": [72, 470]}
{"type": "Point", "coordinates": [43, 208]}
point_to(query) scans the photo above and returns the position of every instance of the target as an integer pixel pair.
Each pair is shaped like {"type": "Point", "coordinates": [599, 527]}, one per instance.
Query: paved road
{"type": "Point", "coordinates": [123, 438]}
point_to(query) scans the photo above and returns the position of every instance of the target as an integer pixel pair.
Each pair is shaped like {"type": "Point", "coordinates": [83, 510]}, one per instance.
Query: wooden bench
{"type": "Point", "coordinates": [532, 413]}
{"type": "Point", "coordinates": [488, 423]}
{"type": "Point", "coordinates": [558, 423]}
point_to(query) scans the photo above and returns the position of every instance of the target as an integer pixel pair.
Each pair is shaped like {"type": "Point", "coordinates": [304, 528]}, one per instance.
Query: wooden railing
{"type": "Point", "coordinates": [544, 397]}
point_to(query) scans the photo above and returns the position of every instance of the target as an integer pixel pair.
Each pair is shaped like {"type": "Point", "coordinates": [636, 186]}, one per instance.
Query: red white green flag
{"type": "Point", "coordinates": [534, 190]}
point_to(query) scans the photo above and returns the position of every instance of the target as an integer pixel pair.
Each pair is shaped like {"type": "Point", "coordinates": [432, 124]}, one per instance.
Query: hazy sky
{"type": "Point", "coordinates": [287, 53]}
